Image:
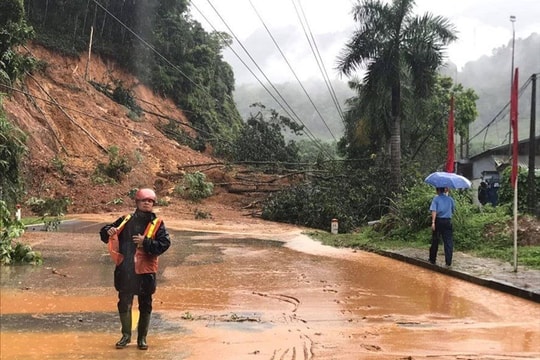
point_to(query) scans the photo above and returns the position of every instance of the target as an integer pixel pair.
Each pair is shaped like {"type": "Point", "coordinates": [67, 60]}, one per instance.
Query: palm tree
{"type": "Point", "coordinates": [392, 44]}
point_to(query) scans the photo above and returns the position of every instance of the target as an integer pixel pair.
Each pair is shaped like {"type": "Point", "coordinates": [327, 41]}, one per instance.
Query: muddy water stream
{"type": "Point", "coordinates": [227, 296]}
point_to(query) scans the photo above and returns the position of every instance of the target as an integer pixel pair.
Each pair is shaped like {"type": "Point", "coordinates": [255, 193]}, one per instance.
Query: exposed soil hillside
{"type": "Point", "coordinates": [71, 125]}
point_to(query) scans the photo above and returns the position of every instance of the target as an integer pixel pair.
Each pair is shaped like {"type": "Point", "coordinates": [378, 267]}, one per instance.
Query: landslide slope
{"type": "Point", "coordinates": [71, 126]}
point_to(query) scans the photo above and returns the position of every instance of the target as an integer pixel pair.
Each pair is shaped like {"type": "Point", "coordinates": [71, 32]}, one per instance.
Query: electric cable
{"type": "Point", "coordinates": [308, 131]}
{"type": "Point", "coordinates": [154, 50]}
{"type": "Point", "coordinates": [315, 50]}
{"type": "Point", "coordinates": [292, 70]}
{"type": "Point", "coordinates": [500, 115]}
{"type": "Point", "coordinates": [167, 61]}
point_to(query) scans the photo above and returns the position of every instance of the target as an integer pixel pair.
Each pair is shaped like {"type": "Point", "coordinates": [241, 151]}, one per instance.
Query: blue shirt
{"type": "Point", "coordinates": [444, 205]}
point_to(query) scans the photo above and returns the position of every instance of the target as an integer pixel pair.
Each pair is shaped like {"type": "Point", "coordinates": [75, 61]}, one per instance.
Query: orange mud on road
{"type": "Point", "coordinates": [257, 292]}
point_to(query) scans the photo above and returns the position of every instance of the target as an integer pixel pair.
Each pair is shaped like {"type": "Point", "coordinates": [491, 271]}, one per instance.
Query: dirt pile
{"type": "Point", "coordinates": [71, 126]}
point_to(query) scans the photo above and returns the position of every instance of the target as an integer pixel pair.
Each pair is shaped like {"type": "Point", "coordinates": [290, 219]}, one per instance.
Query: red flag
{"type": "Point", "coordinates": [514, 124]}
{"type": "Point", "coordinates": [450, 156]}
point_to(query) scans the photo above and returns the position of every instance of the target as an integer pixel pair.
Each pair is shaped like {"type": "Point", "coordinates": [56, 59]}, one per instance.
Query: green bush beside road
{"type": "Point", "coordinates": [479, 231]}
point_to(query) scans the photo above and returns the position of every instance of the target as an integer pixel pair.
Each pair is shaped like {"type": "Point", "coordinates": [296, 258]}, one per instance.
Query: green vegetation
{"type": "Point", "coordinates": [173, 130]}
{"type": "Point", "coordinates": [12, 251]}
{"type": "Point", "coordinates": [481, 231]}
{"type": "Point", "coordinates": [12, 150]}
{"type": "Point", "coordinates": [336, 190]}
{"type": "Point", "coordinates": [402, 53]}
{"type": "Point", "coordinates": [262, 138]}
{"type": "Point", "coordinates": [14, 31]}
{"type": "Point", "coordinates": [166, 49]}
{"type": "Point", "coordinates": [506, 193]}
{"type": "Point", "coordinates": [120, 94]}
{"type": "Point", "coordinates": [50, 210]}
{"type": "Point", "coordinates": [114, 170]}
{"type": "Point", "coordinates": [194, 187]}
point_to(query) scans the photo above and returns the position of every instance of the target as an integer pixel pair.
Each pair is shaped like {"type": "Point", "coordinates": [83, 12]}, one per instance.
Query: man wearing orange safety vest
{"type": "Point", "coordinates": [135, 241]}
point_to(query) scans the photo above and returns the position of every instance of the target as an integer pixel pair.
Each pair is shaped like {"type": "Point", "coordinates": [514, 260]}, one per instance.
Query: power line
{"type": "Point", "coordinates": [170, 63]}
{"type": "Point", "coordinates": [318, 58]}
{"type": "Point", "coordinates": [308, 131]}
{"type": "Point", "coordinates": [154, 49]}
{"type": "Point", "coordinates": [290, 67]}
{"type": "Point", "coordinates": [108, 121]}
{"type": "Point", "coordinates": [500, 115]}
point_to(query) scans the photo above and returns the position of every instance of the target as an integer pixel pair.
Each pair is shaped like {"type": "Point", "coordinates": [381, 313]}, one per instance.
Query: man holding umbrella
{"type": "Point", "coordinates": [442, 208]}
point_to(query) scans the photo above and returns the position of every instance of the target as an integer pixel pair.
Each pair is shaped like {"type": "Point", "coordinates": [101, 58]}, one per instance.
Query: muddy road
{"type": "Point", "coordinates": [257, 293]}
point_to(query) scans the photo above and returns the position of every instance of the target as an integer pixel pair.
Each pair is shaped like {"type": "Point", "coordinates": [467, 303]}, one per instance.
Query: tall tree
{"type": "Point", "coordinates": [13, 32]}
{"type": "Point", "coordinates": [12, 150]}
{"type": "Point", "coordinates": [391, 42]}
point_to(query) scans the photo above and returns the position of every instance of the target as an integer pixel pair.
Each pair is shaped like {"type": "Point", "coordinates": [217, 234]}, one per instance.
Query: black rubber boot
{"type": "Point", "coordinates": [125, 319]}
{"type": "Point", "coordinates": [142, 331]}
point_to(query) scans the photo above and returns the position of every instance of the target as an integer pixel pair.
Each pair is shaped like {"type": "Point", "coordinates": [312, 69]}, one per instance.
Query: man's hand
{"type": "Point", "coordinates": [138, 240]}
{"type": "Point", "coordinates": [112, 231]}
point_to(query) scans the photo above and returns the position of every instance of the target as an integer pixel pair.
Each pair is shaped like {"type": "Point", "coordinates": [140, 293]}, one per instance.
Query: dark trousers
{"type": "Point", "coordinates": [125, 301]}
{"type": "Point", "coordinates": [144, 287]}
{"type": "Point", "coordinates": [443, 228]}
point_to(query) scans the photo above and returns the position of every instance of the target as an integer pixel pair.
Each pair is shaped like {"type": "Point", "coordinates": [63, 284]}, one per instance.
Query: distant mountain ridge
{"type": "Point", "coordinates": [489, 76]}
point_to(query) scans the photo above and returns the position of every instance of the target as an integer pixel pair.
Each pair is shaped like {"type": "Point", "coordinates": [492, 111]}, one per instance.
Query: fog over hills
{"type": "Point", "coordinates": [489, 76]}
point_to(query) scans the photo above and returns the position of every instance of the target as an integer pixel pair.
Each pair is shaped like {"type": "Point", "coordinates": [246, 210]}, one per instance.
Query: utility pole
{"type": "Point", "coordinates": [532, 201]}
{"type": "Point", "coordinates": [512, 20]}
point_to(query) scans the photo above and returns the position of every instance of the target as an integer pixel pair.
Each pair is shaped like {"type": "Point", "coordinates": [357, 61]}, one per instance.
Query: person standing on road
{"type": "Point", "coordinates": [135, 242]}
{"type": "Point", "coordinates": [442, 208]}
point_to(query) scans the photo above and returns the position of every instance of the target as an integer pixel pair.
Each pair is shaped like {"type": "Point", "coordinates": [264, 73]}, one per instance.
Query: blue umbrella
{"type": "Point", "coordinates": [442, 179]}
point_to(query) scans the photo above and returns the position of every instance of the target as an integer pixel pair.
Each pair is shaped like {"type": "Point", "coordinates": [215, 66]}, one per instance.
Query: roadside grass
{"type": "Point", "coordinates": [33, 220]}
{"type": "Point", "coordinates": [367, 239]}
{"type": "Point", "coordinates": [370, 240]}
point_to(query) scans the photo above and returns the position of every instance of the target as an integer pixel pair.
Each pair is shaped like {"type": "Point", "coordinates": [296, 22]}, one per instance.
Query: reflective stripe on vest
{"type": "Point", "coordinates": [151, 228]}
{"type": "Point", "coordinates": [123, 223]}
{"type": "Point", "coordinates": [114, 244]}
{"type": "Point", "coordinates": [147, 263]}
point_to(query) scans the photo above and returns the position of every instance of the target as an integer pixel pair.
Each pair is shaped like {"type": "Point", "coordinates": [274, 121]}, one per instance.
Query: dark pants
{"type": "Point", "coordinates": [443, 228]}
{"type": "Point", "coordinates": [146, 286]}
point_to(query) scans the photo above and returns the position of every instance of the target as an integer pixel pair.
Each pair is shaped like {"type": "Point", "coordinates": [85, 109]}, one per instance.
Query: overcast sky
{"type": "Point", "coordinates": [482, 25]}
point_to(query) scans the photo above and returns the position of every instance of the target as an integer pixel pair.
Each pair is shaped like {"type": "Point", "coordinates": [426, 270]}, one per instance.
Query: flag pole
{"type": "Point", "coordinates": [450, 157]}
{"type": "Point", "coordinates": [515, 154]}
{"type": "Point", "coordinates": [515, 224]}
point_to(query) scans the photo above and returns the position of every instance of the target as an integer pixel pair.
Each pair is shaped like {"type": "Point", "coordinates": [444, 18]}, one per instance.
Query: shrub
{"type": "Point", "coordinates": [12, 150]}
{"type": "Point", "coordinates": [474, 227]}
{"type": "Point", "coordinates": [126, 97]}
{"type": "Point", "coordinates": [11, 251]}
{"type": "Point", "coordinates": [195, 187]}
{"type": "Point", "coordinates": [114, 170]}
{"type": "Point", "coordinates": [50, 210]}
{"type": "Point", "coordinates": [506, 192]}
{"type": "Point", "coordinates": [351, 196]}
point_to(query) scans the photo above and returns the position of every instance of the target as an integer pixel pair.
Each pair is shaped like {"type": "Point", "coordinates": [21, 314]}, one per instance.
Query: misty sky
{"type": "Point", "coordinates": [482, 25]}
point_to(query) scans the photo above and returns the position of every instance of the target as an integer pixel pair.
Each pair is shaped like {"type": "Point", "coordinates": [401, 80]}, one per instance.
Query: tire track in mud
{"type": "Point", "coordinates": [290, 353]}
{"type": "Point", "coordinates": [301, 351]}
{"type": "Point", "coordinates": [286, 298]}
